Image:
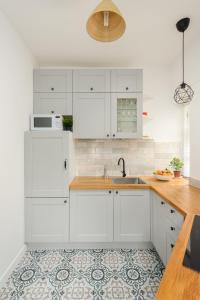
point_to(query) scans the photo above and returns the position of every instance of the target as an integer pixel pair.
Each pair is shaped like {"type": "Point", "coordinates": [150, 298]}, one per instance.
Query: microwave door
{"type": "Point", "coordinates": [42, 122]}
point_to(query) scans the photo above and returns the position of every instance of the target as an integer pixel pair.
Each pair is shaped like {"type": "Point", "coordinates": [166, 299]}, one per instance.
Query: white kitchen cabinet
{"type": "Point", "coordinates": [48, 103]}
{"type": "Point", "coordinates": [126, 115]}
{"type": "Point", "coordinates": [159, 226]}
{"type": "Point", "coordinates": [91, 216]}
{"type": "Point", "coordinates": [91, 81]}
{"type": "Point", "coordinates": [47, 220]}
{"type": "Point", "coordinates": [52, 81]}
{"type": "Point", "coordinates": [166, 225]}
{"type": "Point", "coordinates": [91, 115]}
{"type": "Point", "coordinates": [131, 216]}
{"type": "Point", "coordinates": [48, 163]}
{"type": "Point", "coordinates": [126, 80]}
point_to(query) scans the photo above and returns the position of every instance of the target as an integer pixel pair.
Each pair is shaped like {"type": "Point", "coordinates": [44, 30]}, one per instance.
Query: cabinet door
{"type": "Point", "coordinates": [91, 115]}
{"type": "Point", "coordinates": [126, 81]}
{"type": "Point", "coordinates": [47, 103]}
{"type": "Point", "coordinates": [131, 215]}
{"type": "Point", "coordinates": [47, 220]}
{"type": "Point", "coordinates": [91, 216]}
{"type": "Point", "coordinates": [159, 226]}
{"type": "Point", "coordinates": [46, 167]}
{"type": "Point", "coordinates": [91, 81]}
{"type": "Point", "coordinates": [53, 81]}
{"type": "Point", "coordinates": [170, 243]}
{"type": "Point", "coordinates": [126, 115]}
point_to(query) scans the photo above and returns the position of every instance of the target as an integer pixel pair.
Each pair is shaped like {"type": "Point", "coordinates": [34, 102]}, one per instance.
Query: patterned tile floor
{"type": "Point", "coordinates": [96, 274]}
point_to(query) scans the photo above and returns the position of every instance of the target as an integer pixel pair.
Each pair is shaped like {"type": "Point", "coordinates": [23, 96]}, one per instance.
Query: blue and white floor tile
{"type": "Point", "coordinates": [94, 274]}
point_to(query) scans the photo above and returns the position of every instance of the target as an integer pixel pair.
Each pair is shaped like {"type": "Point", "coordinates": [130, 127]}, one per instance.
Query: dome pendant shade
{"type": "Point", "coordinates": [106, 23]}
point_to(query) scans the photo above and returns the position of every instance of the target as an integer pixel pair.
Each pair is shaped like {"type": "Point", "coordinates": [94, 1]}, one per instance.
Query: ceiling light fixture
{"type": "Point", "coordinates": [106, 23]}
{"type": "Point", "coordinates": [183, 93]}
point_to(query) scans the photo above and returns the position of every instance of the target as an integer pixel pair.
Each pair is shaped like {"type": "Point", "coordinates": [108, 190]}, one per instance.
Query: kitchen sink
{"type": "Point", "coordinates": [133, 180]}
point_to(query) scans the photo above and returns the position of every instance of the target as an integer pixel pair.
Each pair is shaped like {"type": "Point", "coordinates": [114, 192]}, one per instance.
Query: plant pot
{"type": "Point", "coordinates": [177, 174]}
{"type": "Point", "coordinates": [67, 128]}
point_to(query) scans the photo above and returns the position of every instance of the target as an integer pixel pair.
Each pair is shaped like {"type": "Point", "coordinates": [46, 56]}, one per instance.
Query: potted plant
{"type": "Point", "coordinates": [67, 123]}
{"type": "Point", "coordinates": [177, 165]}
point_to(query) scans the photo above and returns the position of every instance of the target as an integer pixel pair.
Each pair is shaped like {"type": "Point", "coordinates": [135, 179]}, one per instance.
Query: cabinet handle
{"type": "Point", "coordinates": [52, 89]}
{"type": "Point", "coordinates": [65, 164]}
{"type": "Point", "coordinates": [91, 89]}
{"type": "Point", "coordinates": [126, 88]}
{"type": "Point", "coordinates": [65, 201]}
{"type": "Point", "coordinates": [108, 135]}
{"type": "Point", "coordinates": [172, 246]}
{"type": "Point", "coordinates": [172, 228]}
{"type": "Point", "coordinates": [113, 135]}
{"type": "Point", "coordinates": [162, 202]}
{"type": "Point", "coordinates": [117, 192]}
{"type": "Point", "coordinates": [109, 192]}
{"type": "Point", "coordinates": [172, 211]}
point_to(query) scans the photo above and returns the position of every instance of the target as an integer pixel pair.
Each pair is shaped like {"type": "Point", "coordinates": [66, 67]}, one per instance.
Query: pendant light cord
{"type": "Point", "coordinates": [183, 54]}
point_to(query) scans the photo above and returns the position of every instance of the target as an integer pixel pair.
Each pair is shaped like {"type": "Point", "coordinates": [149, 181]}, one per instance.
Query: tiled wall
{"type": "Point", "coordinates": [141, 156]}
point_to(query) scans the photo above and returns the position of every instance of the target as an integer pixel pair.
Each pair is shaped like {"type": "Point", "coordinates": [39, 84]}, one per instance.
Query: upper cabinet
{"type": "Point", "coordinates": [52, 81]}
{"type": "Point", "coordinates": [91, 81]}
{"type": "Point", "coordinates": [52, 103]}
{"type": "Point", "coordinates": [91, 115]}
{"type": "Point", "coordinates": [52, 92]}
{"type": "Point", "coordinates": [126, 81]}
{"type": "Point", "coordinates": [104, 103]}
{"type": "Point", "coordinates": [126, 115]}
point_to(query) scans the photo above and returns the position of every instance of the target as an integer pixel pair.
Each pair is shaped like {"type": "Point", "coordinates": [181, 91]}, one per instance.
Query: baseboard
{"type": "Point", "coordinates": [83, 245]}
{"type": "Point", "coordinates": [12, 265]}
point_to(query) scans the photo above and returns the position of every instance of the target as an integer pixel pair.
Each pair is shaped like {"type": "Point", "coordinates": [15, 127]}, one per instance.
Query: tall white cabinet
{"type": "Point", "coordinates": [48, 170]}
{"type": "Point", "coordinates": [47, 220]}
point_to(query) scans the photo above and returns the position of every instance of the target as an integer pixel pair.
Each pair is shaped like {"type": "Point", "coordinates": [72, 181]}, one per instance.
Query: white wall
{"type": "Point", "coordinates": [192, 77]}
{"type": "Point", "coordinates": [165, 123]}
{"type": "Point", "coordinates": [16, 64]}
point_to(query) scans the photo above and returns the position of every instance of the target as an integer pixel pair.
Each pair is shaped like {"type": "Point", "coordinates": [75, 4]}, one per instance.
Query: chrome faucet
{"type": "Point", "coordinates": [123, 170]}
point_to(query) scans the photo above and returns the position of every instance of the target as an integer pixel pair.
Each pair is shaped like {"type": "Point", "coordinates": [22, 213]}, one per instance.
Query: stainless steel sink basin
{"type": "Point", "coordinates": [133, 180]}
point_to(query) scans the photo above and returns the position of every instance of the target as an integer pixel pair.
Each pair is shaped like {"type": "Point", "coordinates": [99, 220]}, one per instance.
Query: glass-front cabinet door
{"type": "Point", "coordinates": [126, 115]}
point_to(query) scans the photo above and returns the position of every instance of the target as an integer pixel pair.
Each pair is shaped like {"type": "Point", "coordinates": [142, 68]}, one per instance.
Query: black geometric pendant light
{"type": "Point", "coordinates": [183, 93]}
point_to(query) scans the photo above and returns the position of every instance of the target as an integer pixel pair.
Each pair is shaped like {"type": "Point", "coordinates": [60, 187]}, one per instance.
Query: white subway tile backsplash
{"type": "Point", "coordinates": [141, 156]}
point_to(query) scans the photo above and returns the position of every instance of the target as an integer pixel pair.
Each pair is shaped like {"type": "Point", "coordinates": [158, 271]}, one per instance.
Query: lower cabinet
{"type": "Point", "coordinates": [91, 216]}
{"type": "Point", "coordinates": [104, 216]}
{"type": "Point", "coordinates": [131, 215]}
{"type": "Point", "coordinates": [47, 220]}
{"type": "Point", "coordinates": [166, 224]}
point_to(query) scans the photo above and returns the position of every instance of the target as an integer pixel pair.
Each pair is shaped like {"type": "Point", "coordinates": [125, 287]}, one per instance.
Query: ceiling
{"type": "Point", "coordinates": [55, 31]}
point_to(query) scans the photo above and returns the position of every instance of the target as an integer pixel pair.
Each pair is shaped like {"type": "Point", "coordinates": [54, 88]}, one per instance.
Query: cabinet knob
{"type": "Point", "coordinates": [172, 211]}
{"type": "Point", "coordinates": [172, 246]}
{"type": "Point", "coordinates": [127, 88]}
{"type": "Point", "coordinates": [108, 135]}
{"type": "Point", "coordinates": [117, 192]}
{"type": "Point", "coordinates": [109, 192]}
{"type": "Point", "coordinates": [52, 89]}
{"type": "Point", "coordinates": [52, 111]}
{"type": "Point", "coordinates": [65, 201]}
{"type": "Point", "coordinates": [162, 203]}
{"type": "Point", "coordinates": [113, 135]}
{"type": "Point", "coordinates": [91, 89]}
{"type": "Point", "coordinates": [172, 228]}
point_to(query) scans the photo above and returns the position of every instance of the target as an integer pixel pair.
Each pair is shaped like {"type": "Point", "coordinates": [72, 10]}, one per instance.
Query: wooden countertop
{"type": "Point", "coordinates": [178, 282]}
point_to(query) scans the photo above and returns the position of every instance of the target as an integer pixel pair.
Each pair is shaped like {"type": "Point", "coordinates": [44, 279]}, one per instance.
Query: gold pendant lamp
{"type": "Point", "coordinates": [106, 23]}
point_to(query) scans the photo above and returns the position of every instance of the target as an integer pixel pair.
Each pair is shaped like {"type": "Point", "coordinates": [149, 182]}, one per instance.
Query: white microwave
{"type": "Point", "coordinates": [46, 122]}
